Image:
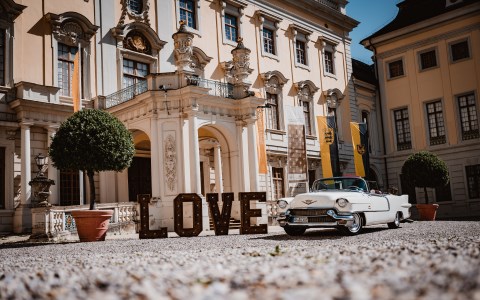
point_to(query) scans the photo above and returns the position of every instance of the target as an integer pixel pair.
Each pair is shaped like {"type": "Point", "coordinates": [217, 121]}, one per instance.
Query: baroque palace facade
{"type": "Point", "coordinates": [220, 96]}
{"type": "Point", "coordinates": [428, 65]}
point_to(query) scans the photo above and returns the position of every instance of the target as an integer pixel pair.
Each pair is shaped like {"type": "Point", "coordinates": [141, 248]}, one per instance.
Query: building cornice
{"type": "Point", "coordinates": [420, 27]}
{"type": "Point", "coordinates": [430, 40]}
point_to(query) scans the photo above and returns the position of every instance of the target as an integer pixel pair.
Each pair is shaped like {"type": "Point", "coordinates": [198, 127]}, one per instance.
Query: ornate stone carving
{"type": "Point", "coordinates": [137, 42]}
{"type": "Point", "coordinates": [274, 81]}
{"type": "Point", "coordinates": [332, 97]}
{"type": "Point", "coordinates": [305, 90]}
{"type": "Point", "coordinates": [141, 16]}
{"type": "Point", "coordinates": [241, 63]}
{"type": "Point", "coordinates": [71, 28]}
{"type": "Point", "coordinates": [170, 158]}
{"type": "Point", "coordinates": [183, 51]}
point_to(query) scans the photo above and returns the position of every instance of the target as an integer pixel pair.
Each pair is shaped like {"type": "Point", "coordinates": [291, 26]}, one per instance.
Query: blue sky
{"type": "Point", "coordinates": [372, 15]}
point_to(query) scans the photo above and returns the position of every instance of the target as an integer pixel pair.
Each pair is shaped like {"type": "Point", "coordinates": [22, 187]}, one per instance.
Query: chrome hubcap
{"type": "Point", "coordinates": [355, 225]}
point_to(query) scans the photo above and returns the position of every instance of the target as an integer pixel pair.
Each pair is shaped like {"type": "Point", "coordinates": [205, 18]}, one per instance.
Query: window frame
{"type": "Point", "coordinates": [420, 61]}
{"type": "Point", "coordinates": [439, 139]}
{"type": "Point", "coordinates": [278, 182]}
{"type": "Point", "coordinates": [407, 143]}
{"type": "Point", "coordinates": [197, 17]}
{"type": "Point", "coordinates": [301, 35]}
{"type": "Point", "coordinates": [234, 9]}
{"type": "Point", "coordinates": [137, 78]}
{"type": "Point", "coordinates": [465, 135]}
{"type": "Point", "coordinates": [456, 42]}
{"type": "Point", "coordinates": [328, 46]}
{"type": "Point", "coordinates": [272, 110]}
{"type": "Point", "coordinates": [388, 69]}
{"type": "Point", "coordinates": [70, 63]}
{"type": "Point", "coordinates": [3, 59]}
{"type": "Point", "coordinates": [476, 177]}
{"type": "Point", "coordinates": [271, 23]}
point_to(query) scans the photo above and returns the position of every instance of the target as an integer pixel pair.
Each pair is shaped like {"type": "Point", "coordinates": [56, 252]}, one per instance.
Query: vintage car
{"type": "Point", "coordinates": [345, 203]}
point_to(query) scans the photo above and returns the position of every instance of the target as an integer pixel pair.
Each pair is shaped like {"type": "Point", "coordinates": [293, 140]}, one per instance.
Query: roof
{"type": "Point", "coordinates": [415, 11]}
{"type": "Point", "coordinates": [363, 72]}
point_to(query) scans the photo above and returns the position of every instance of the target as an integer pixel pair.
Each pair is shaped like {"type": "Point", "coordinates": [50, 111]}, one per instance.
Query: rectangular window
{"type": "Point", "coordinates": [272, 112]}
{"type": "Point", "coordinates": [133, 72]}
{"type": "Point", "coordinates": [278, 190]}
{"type": "Point", "coordinates": [69, 188]}
{"type": "Point", "coordinates": [460, 50]}
{"type": "Point", "coordinates": [395, 68]}
{"type": "Point", "coordinates": [473, 181]}
{"type": "Point", "coordinates": [402, 127]}
{"type": "Point", "coordinates": [187, 13]}
{"type": "Point", "coordinates": [428, 59]}
{"type": "Point", "coordinates": [468, 117]}
{"type": "Point", "coordinates": [306, 114]}
{"type": "Point", "coordinates": [328, 57]}
{"type": "Point", "coordinates": [231, 27]}
{"type": "Point", "coordinates": [301, 51]}
{"type": "Point", "coordinates": [66, 55]}
{"type": "Point", "coordinates": [436, 125]}
{"type": "Point", "coordinates": [2, 56]}
{"type": "Point", "coordinates": [268, 41]}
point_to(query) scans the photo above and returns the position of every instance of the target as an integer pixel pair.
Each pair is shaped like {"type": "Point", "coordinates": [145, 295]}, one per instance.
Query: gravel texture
{"type": "Point", "coordinates": [421, 260]}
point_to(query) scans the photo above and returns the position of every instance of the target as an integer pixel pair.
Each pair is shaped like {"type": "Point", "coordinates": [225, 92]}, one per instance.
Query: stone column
{"type": "Point", "coordinates": [155, 158]}
{"type": "Point", "coordinates": [52, 171]}
{"type": "Point", "coordinates": [194, 153]}
{"type": "Point", "coordinates": [26, 169]}
{"type": "Point", "coordinates": [22, 218]}
{"type": "Point", "coordinates": [217, 157]}
{"type": "Point", "coordinates": [253, 154]}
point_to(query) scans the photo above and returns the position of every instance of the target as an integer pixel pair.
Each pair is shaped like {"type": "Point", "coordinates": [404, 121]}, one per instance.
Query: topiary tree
{"type": "Point", "coordinates": [425, 169]}
{"type": "Point", "coordinates": [92, 141]}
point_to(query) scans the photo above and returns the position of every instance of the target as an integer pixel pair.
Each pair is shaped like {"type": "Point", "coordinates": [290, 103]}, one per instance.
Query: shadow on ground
{"type": "Point", "coordinates": [316, 234]}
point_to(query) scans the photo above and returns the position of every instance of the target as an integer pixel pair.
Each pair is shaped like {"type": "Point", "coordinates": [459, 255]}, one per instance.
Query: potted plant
{"type": "Point", "coordinates": [424, 169]}
{"type": "Point", "coordinates": [92, 141]}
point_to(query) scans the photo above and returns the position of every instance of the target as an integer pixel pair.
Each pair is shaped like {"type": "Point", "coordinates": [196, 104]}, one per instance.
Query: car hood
{"type": "Point", "coordinates": [326, 198]}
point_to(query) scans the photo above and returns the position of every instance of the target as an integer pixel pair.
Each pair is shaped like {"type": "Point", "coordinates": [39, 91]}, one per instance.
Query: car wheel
{"type": "Point", "coordinates": [294, 231]}
{"type": "Point", "coordinates": [354, 227]}
{"type": "Point", "coordinates": [396, 223]}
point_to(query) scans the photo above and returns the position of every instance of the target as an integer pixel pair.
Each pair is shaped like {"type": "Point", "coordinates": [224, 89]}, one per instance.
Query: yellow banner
{"type": "Point", "coordinates": [261, 147]}
{"type": "Point", "coordinates": [358, 148]}
{"type": "Point", "coordinates": [76, 82]}
{"type": "Point", "coordinates": [325, 136]}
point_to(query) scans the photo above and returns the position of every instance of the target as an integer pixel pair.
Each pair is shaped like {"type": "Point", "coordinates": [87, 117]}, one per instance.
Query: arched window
{"type": "Point", "coordinates": [274, 82]}
{"type": "Point", "coordinates": [305, 91]}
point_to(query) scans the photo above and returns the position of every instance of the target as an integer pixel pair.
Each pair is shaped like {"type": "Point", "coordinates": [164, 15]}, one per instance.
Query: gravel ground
{"type": "Point", "coordinates": [421, 260]}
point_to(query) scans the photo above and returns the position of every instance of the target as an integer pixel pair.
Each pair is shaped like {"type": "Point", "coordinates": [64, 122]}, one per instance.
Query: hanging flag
{"type": "Point", "coordinates": [328, 146]}
{"type": "Point", "coordinates": [76, 82]}
{"type": "Point", "coordinates": [261, 148]}
{"type": "Point", "coordinates": [297, 152]}
{"type": "Point", "coordinates": [360, 148]}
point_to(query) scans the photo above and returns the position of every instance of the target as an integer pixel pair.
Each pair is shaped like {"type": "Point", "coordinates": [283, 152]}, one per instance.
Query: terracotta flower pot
{"type": "Point", "coordinates": [92, 225]}
{"type": "Point", "coordinates": [427, 212]}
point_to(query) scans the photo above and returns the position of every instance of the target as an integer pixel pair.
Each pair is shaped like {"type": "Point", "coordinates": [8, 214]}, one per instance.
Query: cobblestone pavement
{"type": "Point", "coordinates": [421, 260]}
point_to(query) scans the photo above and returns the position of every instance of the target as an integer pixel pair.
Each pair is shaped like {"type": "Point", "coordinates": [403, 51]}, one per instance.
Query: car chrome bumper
{"type": "Point", "coordinates": [338, 220]}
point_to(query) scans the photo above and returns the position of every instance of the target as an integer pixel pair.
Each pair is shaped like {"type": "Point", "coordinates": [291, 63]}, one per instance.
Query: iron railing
{"type": "Point", "coordinates": [217, 88]}
{"type": "Point", "coordinates": [126, 94]}
{"type": "Point", "coordinates": [8, 117]}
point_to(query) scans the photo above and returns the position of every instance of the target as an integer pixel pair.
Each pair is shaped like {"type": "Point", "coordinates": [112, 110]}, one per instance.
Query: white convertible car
{"type": "Point", "coordinates": [342, 202]}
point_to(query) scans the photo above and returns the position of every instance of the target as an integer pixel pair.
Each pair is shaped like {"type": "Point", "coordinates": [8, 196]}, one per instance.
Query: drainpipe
{"type": "Point", "coordinates": [381, 112]}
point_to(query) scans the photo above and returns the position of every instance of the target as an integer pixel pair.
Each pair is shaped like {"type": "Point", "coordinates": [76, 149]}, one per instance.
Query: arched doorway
{"type": "Point", "coordinates": [140, 171]}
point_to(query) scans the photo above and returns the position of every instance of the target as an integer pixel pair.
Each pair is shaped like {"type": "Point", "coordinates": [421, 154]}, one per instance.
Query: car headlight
{"type": "Point", "coordinates": [282, 203]}
{"type": "Point", "coordinates": [342, 202]}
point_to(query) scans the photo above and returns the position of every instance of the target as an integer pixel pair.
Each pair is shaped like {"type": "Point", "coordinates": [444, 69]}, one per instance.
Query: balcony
{"type": "Point", "coordinates": [126, 94]}
{"type": "Point", "coordinates": [217, 88]}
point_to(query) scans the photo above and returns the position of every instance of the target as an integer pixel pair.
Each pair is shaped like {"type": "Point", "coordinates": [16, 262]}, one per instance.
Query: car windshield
{"type": "Point", "coordinates": [340, 184]}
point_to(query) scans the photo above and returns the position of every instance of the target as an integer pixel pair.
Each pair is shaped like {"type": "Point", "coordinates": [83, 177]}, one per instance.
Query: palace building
{"type": "Point", "coordinates": [428, 64]}
{"type": "Point", "coordinates": [219, 95]}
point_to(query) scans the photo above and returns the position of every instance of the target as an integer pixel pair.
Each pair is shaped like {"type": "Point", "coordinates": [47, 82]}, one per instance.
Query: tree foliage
{"type": "Point", "coordinates": [425, 169]}
{"type": "Point", "coordinates": [92, 141]}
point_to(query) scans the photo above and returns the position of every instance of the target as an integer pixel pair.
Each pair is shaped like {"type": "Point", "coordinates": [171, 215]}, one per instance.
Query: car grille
{"type": "Point", "coordinates": [323, 219]}
{"type": "Point", "coordinates": [308, 212]}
